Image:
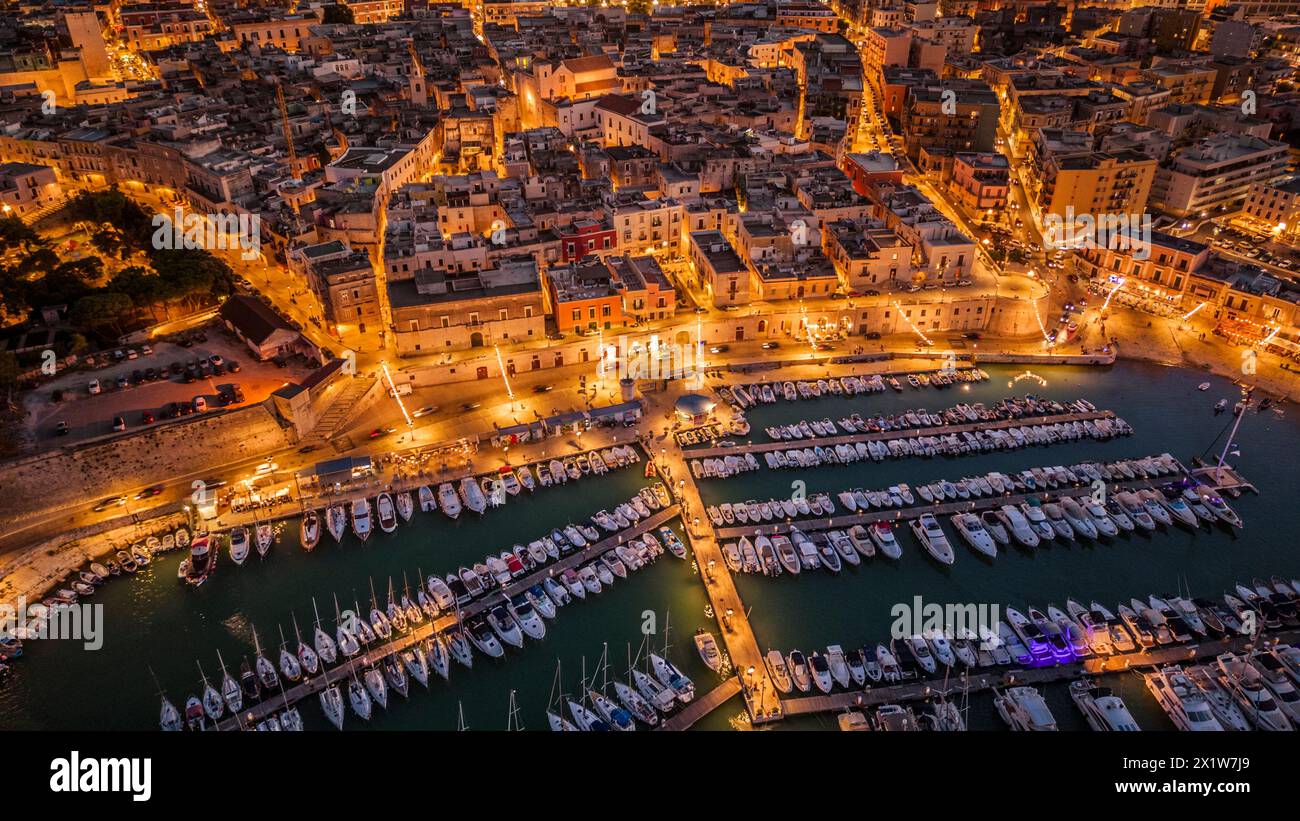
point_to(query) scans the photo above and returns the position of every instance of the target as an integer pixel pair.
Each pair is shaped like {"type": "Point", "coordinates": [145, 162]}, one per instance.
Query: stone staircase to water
{"type": "Point", "coordinates": [340, 411]}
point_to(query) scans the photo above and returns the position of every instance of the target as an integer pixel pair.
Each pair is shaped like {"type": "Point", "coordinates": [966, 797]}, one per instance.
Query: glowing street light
{"type": "Point", "coordinates": [392, 391]}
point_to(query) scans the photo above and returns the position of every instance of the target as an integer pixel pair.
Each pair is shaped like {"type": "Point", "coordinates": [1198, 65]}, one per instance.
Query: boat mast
{"type": "Point", "coordinates": [1245, 406]}
{"type": "Point", "coordinates": [512, 717]}
{"type": "Point", "coordinates": [461, 726]}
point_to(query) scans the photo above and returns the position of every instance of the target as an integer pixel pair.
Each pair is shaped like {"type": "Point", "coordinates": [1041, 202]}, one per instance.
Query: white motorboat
{"type": "Point", "coordinates": [239, 545]}
{"type": "Point", "coordinates": [838, 664]}
{"type": "Point", "coordinates": [777, 669]}
{"type": "Point", "coordinates": [976, 535]}
{"type": "Point", "coordinates": [1102, 709]}
{"type": "Point", "coordinates": [882, 534]}
{"type": "Point", "coordinates": [361, 519]}
{"type": "Point", "coordinates": [707, 646]}
{"type": "Point", "coordinates": [448, 500]}
{"type": "Point", "coordinates": [405, 505]}
{"type": "Point", "coordinates": [386, 512]}
{"type": "Point", "coordinates": [1022, 708]}
{"type": "Point", "coordinates": [932, 538]}
{"type": "Point", "coordinates": [1182, 700]}
{"type": "Point", "coordinates": [428, 502]}
{"type": "Point", "coordinates": [1016, 523]}
{"type": "Point", "coordinates": [820, 670]}
{"type": "Point", "coordinates": [473, 495]}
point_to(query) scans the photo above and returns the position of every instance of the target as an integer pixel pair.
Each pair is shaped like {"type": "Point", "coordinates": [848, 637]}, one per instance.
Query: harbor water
{"type": "Point", "coordinates": [151, 622]}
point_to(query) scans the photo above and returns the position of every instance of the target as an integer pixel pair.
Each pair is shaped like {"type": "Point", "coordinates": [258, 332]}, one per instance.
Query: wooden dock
{"type": "Point", "coordinates": [893, 514]}
{"type": "Point", "coordinates": [907, 433]}
{"type": "Point", "coordinates": [986, 678]}
{"type": "Point", "coordinates": [342, 671]}
{"type": "Point", "coordinates": [700, 707]}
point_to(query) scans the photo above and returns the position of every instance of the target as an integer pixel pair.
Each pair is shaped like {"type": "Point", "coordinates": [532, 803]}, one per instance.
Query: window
{"type": "Point", "coordinates": [445, 321]}
{"type": "Point", "coordinates": [502, 315]}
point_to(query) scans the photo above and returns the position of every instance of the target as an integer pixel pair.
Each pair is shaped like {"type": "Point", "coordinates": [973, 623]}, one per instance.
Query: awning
{"type": "Point", "coordinates": [342, 469]}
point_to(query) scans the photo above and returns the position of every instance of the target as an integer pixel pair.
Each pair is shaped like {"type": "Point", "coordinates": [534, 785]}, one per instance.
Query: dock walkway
{"type": "Point", "coordinates": [972, 505]}
{"type": "Point", "coordinates": [979, 681]}
{"type": "Point", "coordinates": [700, 707]}
{"type": "Point", "coordinates": [907, 433]}
{"type": "Point", "coordinates": [342, 671]}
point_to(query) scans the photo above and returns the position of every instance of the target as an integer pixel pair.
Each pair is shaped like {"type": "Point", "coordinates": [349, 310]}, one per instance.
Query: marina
{"type": "Point", "coordinates": [701, 592]}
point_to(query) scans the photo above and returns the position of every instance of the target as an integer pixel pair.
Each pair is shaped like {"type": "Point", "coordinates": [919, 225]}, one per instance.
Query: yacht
{"type": "Point", "coordinates": [995, 528]}
{"type": "Point", "coordinates": [1022, 708]}
{"type": "Point", "coordinates": [1015, 522]}
{"type": "Point", "coordinates": [932, 538]}
{"type": "Point", "coordinates": [1038, 522]}
{"type": "Point", "coordinates": [1103, 710]}
{"type": "Point", "coordinates": [883, 536]}
{"type": "Point", "coordinates": [975, 534]}
{"type": "Point", "coordinates": [239, 545]}
{"type": "Point", "coordinates": [361, 519]}
{"type": "Point", "coordinates": [1255, 699]}
{"type": "Point", "coordinates": [1182, 700]}
{"type": "Point", "coordinates": [473, 495]}
{"type": "Point", "coordinates": [505, 626]}
{"type": "Point", "coordinates": [1219, 698]}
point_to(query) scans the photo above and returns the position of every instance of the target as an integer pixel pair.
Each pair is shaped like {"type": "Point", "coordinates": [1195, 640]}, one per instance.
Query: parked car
{"type": "Point", "coordinates": [147, 418]}
{"type": "Point", "coordinates": [119, 423]}
{"type": "Point", "coordinates": [122, 381]}
{"type": "Point", "coordinates": [232, 366]}
{"type": "Point", "coordinates": [216, 360]}
{"type": "Point", "coordinates": [200, 404]}
{"type": "Point", "coordinates": [93, 387]}
{"type": "Point", "coordinates": [61, 429]}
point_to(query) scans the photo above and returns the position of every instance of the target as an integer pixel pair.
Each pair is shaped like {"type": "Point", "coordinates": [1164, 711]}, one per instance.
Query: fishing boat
{"type": "Point", "coordinates": [201, 561]}
{"type": "Point", "coordinates": [387, 513]}
{"type": "Point", "coordinates": [239, 545]}
{"type": "Point", "coordinates": [361, 518]}
{"type": "Point", "coordinates": [707, 646]}
{"type": "Point", "coordinates": [309, 530]}
{"type": "Point", "coordinates": [448, 500]}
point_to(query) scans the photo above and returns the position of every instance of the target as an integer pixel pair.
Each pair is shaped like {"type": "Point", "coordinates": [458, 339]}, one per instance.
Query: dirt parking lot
{"type": "Point", "coordinates": [88, 416]}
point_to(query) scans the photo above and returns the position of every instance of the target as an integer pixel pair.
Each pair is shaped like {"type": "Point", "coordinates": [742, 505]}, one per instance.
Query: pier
{"type": "Point", "coordinates": [980, 681]}
{"type": "Point", "coordinates": [972, 505]}
{"type": "Point", "coordinates": [906, 433]}
{"type": "Point", "coordinates": [344, 669]}
{"type": "Point", "coordinates": [685, 718]}
{"type": "Point", "coordinates": [761, 696]}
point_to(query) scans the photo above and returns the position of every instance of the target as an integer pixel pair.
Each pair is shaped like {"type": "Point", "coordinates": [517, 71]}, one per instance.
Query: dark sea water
{"type": "Point", "coordinates": [152, 623]}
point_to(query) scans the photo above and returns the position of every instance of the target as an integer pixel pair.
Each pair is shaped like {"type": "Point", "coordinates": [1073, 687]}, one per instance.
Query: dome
{"type": "Point", "coordinates": [694, 404]}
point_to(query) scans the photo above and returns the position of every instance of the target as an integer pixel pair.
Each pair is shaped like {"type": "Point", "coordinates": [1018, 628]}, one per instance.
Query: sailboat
{"type": "Point", "coordinates": [326, 649]}
{"type": "Point", "coordinates": [309, 530]}
{"type": "Point", "coordinates": [307, 657]}
{"type": "Point", "coordinates": [512, 715]}
{"type": "Point", "coordinates": [213, 705]}
{"type": "Point", "coordinates": [265, 533]}
{"type": "Point", "coordinates": [230, 692]}
{"type": "Point", "coordinates": [331, 702]}
{"type": "Point", "coordinates": [266, 674]}
{"type": "Point", "coordinates": [554, 712]}
{"type": "Point", "coordinates": [290, 667]}
{"type": "Point", "coordinates": [336, 521]}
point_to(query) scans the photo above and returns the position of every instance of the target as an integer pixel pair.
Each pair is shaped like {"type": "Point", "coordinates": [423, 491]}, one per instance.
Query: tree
{"type": "Point", "coordinates": [339, 13]}
{"type": "Point", "coordinates": [106, 310]}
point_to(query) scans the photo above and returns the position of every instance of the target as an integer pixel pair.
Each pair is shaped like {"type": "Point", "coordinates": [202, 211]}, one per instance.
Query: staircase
{"type": "Point", "coordinates": [44, 211]}
{"type": "Point", "coordinates": [338, 413]}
